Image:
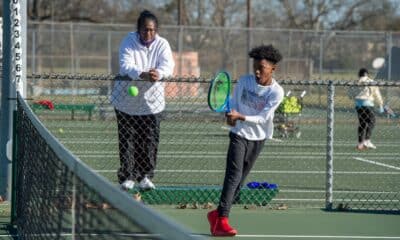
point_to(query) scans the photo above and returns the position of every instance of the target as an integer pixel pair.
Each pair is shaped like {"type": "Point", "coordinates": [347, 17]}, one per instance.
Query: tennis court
{"type": "Point", "coordinates": [291, 224]}
{"type": "Point", "coordinates": [194, 142]}
{"type": "Point", "coordinates": [297, 224]}
{"type": "Point", "coordinates": [192, 154]}
{"type": "Point", "coordinates": [281, 224]}
{"type": "Point", "coordinates": [66, 187]}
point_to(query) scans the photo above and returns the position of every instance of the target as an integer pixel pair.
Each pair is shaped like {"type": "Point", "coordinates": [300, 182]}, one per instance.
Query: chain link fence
{"type": "Point", "coordinates": [312, 158]}
{"type": "Point", "coordinates": [93, 48]}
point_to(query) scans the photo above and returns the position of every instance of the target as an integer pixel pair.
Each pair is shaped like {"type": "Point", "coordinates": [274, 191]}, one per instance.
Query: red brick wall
{"type": "Point", "coordinates": [186, 65]}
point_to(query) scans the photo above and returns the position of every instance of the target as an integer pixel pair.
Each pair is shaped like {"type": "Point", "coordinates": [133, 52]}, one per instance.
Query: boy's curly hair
{"type": "Point", "coordinates": [267, 52]}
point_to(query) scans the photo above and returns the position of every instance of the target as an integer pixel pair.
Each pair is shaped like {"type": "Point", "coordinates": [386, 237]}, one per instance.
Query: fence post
{"type": "Point", "coordinates": [33, 57]}
{"type": "Point", "coordinates": [329, 145]}
{"type": "Point", "coordinates": [180, 49]}
{"type": "Point", "coordinates": [71, 39]}
{"type": "Point", "coordinates": [321, 54]}
{"type": "Point", "coordinates": [389, 43]}
{"type": "Point", "coordinates": [109, 52]}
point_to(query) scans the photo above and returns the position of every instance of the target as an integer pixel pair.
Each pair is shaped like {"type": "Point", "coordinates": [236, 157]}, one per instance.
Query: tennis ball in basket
{"type": "Point", "coordinates": [133, 91]}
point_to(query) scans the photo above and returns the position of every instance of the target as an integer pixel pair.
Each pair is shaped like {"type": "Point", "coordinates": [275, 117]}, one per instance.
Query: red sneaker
{"type": "Point", "coordinates": [222, 228]}
{"type": "Point", "coordinates": [212, 219]}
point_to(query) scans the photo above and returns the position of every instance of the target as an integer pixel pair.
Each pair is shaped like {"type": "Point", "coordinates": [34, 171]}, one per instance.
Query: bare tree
{"type": "Point", "coordinates": [95, 11]}
{"type": "Point", "coordinates": [375, 15]}
{"type": "Point", "coordinates": [338, 14]}
{"type": "Point", "coordinates": [295, 14]}
{"type": "Point", "coordinates": [307, 14]}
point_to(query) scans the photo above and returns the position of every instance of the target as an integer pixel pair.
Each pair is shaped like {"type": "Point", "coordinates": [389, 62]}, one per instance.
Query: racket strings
{"type": "Point", "coordinates": [219, 91]}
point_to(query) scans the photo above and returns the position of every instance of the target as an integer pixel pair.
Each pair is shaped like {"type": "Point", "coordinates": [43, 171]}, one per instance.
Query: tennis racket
{"type": "Point", "coordinates": [219, 92]}
{"type": "Point", "coordinates": [389, 112]}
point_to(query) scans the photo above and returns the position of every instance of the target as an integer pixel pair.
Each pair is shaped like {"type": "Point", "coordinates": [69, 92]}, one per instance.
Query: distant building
{"type": "Point", "coordinates": [394, 74]}
{"type": "Point", "coordinates": [186, 65]}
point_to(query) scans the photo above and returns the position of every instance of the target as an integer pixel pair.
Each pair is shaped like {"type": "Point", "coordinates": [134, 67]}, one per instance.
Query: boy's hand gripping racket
{"type": "Point", "coordinates": [219, 92]}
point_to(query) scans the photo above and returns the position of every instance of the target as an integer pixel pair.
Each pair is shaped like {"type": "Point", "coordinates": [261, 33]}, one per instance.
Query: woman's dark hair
{"type": "Point", "coordinates": [146, 15]}
{"type": "Point", "coordinates": [267, 52]}
{"type": "Point", "coordinates": [362, 72]}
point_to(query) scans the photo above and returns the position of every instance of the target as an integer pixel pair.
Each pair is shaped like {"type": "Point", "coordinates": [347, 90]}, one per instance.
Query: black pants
{"type": "Point", "coordinates": [366, 119]}
{"type": "Point", "coordinates": [242, 154]}
{"type": "Point", "coordinates": [138, 145]}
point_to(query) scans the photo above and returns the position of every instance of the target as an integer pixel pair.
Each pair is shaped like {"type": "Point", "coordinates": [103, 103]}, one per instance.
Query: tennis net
{"type": "Point", "coordinates": [57, 196]}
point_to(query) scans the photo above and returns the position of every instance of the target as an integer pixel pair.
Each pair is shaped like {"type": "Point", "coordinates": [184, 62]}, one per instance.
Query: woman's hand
{"type": "Point", "coordinates": [152, 75]}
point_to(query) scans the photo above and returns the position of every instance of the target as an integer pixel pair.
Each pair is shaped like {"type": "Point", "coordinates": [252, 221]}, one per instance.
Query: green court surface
{"type": "Point", "coordinates": [263, 223]}
{"type": "Point", "coordinates": [295, 223]}
{"type": "Point", "coordinates": [192, 152]}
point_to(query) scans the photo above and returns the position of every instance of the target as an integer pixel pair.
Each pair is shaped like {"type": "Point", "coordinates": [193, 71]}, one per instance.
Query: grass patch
{"type": "Point", "coordinates": [5, 209]}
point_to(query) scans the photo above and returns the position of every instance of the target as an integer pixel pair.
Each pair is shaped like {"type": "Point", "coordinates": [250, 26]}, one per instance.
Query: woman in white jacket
{"type": "Point", "coordinates": [364, 102]}
{"type": "Point", "coordinates": [145, 58]}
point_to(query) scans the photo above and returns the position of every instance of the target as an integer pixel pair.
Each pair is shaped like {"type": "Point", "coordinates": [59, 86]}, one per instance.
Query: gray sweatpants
{"type": "Point", "coordinates": [242, 154]}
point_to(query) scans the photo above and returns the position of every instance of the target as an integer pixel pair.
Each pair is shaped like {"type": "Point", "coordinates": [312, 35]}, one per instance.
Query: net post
{"type": "Point", "coordinates": [13, 72]}
{"type": "Point", "coordinates": [73, 208]}
{"type": "Point", "coordinates": [329, 146]}
{"type": "Point", "coordinates": [7, 105]}
{"type": "Point", "coordinates": [23, 52]}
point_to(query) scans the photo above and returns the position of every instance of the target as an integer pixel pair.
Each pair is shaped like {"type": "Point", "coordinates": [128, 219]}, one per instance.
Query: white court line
{"type": "Point", "coordinates": [316, 236]}
{"type": "Point", "coordinates": [44, 235]}
{"type": "Point", "coordinates": [376, 163]}
{"type": "Point", "coordinates": [205, 141]}
{"type": "Point", "coordinates": [255, 236]}
{"type": "Point", "coordinates": [223, 153]}
{"type": "Point", "coordinates": [258, 171]}
{"type": "Point", "coordinates": [275, 139]}
{"type": "Point", "coordinates": [222, 157]}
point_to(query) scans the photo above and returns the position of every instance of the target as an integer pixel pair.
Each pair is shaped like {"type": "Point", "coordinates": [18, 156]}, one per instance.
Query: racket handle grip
{"type": "Point", "coordinates": [228, 106]}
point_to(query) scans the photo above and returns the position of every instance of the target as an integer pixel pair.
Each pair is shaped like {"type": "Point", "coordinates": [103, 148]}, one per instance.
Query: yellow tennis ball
{"type": "Point", "coordinates": [60, 130]}
{"type": "Point", "coordinates": [133, 91]}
